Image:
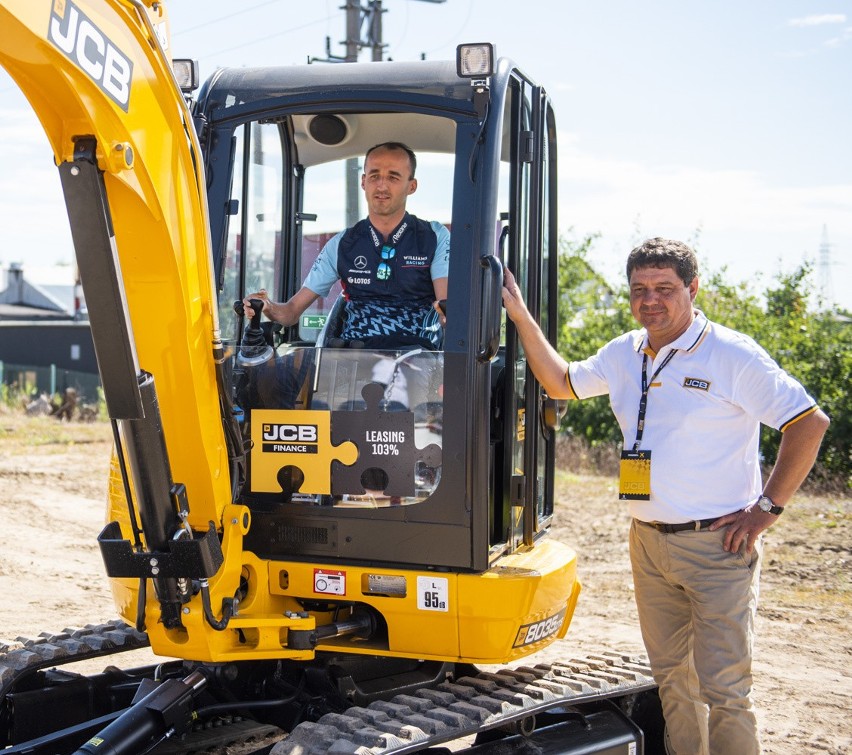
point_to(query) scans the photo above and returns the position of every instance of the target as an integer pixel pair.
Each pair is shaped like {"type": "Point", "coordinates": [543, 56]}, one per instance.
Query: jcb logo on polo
{"type": "Point", "coordinates": [90, 49]}
{"type": "Point", "coordinates": [701, 385]}
{"type": "Point", "coordinates": [290, 433]}
{"type": "Point", "coordinates": [530, 633]}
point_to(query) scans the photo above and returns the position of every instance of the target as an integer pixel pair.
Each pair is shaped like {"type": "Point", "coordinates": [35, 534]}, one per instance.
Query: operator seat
{"type": "Point", "coordinates": [329, 336]}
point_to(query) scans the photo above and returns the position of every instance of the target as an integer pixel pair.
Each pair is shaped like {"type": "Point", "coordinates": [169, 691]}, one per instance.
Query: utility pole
{"type": "Point", "coordinates": [361, 20]}
{"type": "Point", "coordinates": [357, 17]}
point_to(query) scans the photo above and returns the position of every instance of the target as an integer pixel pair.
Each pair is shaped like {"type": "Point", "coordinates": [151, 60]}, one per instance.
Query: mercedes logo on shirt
{"type": "Point", "coordinates": [361, 262]}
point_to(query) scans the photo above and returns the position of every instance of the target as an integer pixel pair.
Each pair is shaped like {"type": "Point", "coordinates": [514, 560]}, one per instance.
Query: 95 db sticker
{"type": "Point", "coordinates": [433, 594]}
{"type": "Point", "coordinates": [539, 630]}
{"type": "Point", "coordinates": [329, 582]}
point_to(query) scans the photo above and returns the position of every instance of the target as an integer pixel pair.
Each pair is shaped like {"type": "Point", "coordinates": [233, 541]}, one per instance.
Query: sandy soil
{"type": "Point", "coordinates": [52, 487]}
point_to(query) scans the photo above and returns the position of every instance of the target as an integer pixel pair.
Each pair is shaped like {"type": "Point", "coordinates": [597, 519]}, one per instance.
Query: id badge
{"type": "Point", "coordinates": [634, 482]}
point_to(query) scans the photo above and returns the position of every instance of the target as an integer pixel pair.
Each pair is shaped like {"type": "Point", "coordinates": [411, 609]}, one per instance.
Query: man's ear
{"type": "Point", "coordinates": [412, 186]}
{"type": "Point", "coordinates": [693, 288]}
{"type": "Point", "coordinates": [364, 181]}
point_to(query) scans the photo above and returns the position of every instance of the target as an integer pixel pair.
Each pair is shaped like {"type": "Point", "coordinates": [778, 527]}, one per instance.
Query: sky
{"type": "Point", "coordinates": [726, 124]}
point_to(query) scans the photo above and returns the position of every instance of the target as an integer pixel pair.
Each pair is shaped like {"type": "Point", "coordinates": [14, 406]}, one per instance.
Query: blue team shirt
{"type": "Point", "coordinates": [396, 300]}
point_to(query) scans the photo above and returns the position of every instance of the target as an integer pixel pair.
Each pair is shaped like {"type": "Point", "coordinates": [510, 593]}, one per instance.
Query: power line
{"type": "Point", "coordinates": [266, 38]}
{"type": "Point", "coordinates": [227, 17]}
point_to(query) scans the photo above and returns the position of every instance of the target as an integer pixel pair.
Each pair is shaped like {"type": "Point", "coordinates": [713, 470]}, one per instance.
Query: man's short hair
{"type": "Point", "coordinates": [659, 252]}
{"type": "Point", "coordinates": [412, 158]}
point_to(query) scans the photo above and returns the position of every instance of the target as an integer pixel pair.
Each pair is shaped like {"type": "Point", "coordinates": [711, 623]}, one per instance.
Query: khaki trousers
{"type": "Point", "coordinates": [696, 606]}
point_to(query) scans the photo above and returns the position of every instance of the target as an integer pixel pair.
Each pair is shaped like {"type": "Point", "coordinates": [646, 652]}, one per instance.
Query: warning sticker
{"type": "Point", "coordinates": [329, 582]}
{"type": "Point", "coordinates": [433, 594]}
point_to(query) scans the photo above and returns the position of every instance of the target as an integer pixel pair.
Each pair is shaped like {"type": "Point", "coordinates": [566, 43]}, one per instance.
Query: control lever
{"type": "Point", "coordinates": [254, 349]}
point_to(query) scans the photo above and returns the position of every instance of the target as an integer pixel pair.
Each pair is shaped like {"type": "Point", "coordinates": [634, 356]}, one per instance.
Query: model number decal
{"type": "Point", "coordinates": [539, 630]}
{"type": "Point", "coordinates": [91, 50]}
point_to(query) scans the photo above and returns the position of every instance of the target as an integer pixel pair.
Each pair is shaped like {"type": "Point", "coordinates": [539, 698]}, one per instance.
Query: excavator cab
{"type": "Point", "coordinates": [453, 445]}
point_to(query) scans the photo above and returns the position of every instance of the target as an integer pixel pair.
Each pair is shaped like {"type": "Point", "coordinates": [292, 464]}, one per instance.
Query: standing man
{"type": "Point", "coordinates": [392, 265]}
{"type": "Point", "coordinates": [689, 396]}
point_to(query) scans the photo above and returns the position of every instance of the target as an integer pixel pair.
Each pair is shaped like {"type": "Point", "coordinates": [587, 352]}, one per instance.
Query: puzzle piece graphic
{"type": "Point", "coordinates": [385, 441]}
{"type": "Point", "coordinates": [285, 439]}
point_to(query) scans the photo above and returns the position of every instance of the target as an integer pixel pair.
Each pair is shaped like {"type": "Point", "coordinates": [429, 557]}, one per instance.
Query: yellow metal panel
{"type": "Point", "coordinates": [157, 201]}
{"type": "Point", "coordinates": [525, 588]}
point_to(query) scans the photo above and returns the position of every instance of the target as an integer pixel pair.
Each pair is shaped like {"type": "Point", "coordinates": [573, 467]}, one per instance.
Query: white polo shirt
{"type": "Point", "coordinates": [703, 417]}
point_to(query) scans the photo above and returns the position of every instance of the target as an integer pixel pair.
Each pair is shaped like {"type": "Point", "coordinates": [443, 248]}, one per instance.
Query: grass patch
{"type": "Point", "coordinates": [18, 432]}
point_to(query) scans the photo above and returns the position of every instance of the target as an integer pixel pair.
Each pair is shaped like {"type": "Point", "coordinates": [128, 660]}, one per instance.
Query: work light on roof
{"type": "Point", "coordinates": [475, 61]}
{"type": "Point", "coordinates": [186, 74]}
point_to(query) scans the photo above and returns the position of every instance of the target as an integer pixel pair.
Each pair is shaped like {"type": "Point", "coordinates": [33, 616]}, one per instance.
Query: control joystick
{"type": "Point", "coordinates": [254, 349]}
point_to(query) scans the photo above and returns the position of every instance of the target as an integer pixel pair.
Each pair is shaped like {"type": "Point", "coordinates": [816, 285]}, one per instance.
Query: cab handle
{"type": "Point", "coordinates": [490, 309]}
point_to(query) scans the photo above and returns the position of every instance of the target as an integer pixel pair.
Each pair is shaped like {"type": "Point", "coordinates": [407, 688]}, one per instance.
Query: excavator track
{"type": "Point", "coordinates": [468, 706]}
{"type": "Point", "coordinates": [508, 699]}
{"type": "Point", "coordinates": [69, 646]}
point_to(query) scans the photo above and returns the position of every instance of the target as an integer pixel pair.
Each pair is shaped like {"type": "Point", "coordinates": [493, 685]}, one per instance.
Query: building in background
{"type": "Point", "coordinates": [45, 341]}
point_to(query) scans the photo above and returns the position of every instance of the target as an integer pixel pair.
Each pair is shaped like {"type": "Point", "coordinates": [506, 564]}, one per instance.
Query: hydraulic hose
{"type": "Point", "coordinates": [227, 609]}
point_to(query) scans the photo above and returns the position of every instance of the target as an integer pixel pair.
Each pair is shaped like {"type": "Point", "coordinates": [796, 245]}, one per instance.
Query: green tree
{"type": "Point", "coordinates": [591, 313]}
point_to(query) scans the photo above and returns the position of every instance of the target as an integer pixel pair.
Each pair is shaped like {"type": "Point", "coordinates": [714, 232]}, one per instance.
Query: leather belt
{"type": "Point", "coordinates": [670, 529]}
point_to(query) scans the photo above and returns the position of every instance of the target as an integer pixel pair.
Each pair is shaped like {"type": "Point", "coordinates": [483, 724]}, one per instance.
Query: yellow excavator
{"type": "Point", "coordinates": [322, 542]}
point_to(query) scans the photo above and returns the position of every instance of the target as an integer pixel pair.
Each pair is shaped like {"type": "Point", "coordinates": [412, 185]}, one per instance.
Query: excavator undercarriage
{"type": "Point", "coordinates": [604, 703]}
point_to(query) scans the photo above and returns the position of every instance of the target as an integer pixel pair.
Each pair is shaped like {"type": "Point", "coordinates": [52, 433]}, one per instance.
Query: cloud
{"type": "Point", "coordinates": [613, 192]}
{"type": "Point", "coordinates": [840, 40]}
{"type": "Point", "coordinates": [821, 20]}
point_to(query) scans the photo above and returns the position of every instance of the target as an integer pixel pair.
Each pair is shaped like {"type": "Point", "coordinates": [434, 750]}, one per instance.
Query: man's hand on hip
{"type": "Point", "coordinates": [744, 527]}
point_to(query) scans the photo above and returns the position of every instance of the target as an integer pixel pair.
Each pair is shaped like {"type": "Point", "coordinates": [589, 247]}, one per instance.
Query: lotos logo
{"type": "Point", "coordinates": [701, 385]}
{"type": "Point", "coordinates": [90, 49]}
{"type": "Point", "coordinates": [530, 633]}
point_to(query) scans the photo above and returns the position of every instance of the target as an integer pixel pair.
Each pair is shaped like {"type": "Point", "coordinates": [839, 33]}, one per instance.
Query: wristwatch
{"type": "Point", "coordinates": [764, 503]}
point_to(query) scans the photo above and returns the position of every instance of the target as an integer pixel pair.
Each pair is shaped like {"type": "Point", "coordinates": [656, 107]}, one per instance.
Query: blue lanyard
{"type": "Point", "coordinates": [643, 401]}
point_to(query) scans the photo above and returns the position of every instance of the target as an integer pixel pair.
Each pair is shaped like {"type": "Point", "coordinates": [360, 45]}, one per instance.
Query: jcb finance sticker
{"type": "Point", "coordinates": [634, 482]}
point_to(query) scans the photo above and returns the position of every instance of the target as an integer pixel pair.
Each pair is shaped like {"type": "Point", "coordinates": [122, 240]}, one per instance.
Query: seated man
{"type": "Point", "coordinates": [393, 266]}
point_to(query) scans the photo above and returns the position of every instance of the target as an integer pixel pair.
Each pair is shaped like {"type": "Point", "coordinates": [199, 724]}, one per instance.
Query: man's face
{"type": "Point", "coordinates": [387, 182]}
{"type": "Point", "coordinates": [661, 302]}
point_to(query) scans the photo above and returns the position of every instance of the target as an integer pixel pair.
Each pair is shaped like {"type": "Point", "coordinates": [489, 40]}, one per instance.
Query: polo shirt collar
{"type": "Point", "coordinates": [688, 341]}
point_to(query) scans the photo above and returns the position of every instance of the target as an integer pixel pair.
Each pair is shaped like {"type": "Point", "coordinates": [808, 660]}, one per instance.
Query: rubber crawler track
{"type": "Point", "coordinates": [409, 723]}
{"type": "Point", "coordinates": [406, 723]}
{"type": "Point", "coordinates": [69, 646]}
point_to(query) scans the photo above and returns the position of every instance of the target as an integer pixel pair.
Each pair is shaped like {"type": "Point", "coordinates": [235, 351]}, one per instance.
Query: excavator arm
{"type": "Point", "coordinates": [97, 78]}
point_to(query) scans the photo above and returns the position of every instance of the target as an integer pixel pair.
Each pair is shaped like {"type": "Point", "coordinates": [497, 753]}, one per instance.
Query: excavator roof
{"type": "Point", "coordinates": [340, 110]}
{"type": "Point", "coordinates": [234, 87]}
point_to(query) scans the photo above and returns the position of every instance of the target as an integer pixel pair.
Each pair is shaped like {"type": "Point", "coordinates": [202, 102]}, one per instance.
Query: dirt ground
{"type": "Point", "coordinates": [52, 488]}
